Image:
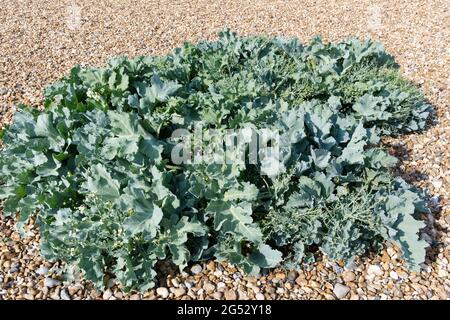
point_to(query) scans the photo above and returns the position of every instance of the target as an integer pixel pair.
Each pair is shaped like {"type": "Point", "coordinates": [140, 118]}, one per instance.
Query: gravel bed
{"type": "Point", "coordinates": [40, 40]}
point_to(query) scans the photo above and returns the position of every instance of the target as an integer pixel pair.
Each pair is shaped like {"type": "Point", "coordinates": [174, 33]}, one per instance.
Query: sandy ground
{"type": "Point", "coordinates": [41, 40]}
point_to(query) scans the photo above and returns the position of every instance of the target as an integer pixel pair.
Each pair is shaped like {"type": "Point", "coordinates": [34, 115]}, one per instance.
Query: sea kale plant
{"type": "Point", "coordinates": [96, 166]}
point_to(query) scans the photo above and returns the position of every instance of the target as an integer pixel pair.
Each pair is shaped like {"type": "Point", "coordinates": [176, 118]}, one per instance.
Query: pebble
{"type": "Point", "coordinates": [292, 275]}
{"type": "Point", "coordinates": [391, 251]}
{"type": "Point", "coordinates": [259, 296]}
{"type": "Point", "coordinates": [230, 295]}
{"type": "Point", "coordinates": [211, 266]}
{"type": "Point", "coordinates": [351, 265]}
{"type": "Point", "coordinates": [28, 296]}
{"type": "Point", "coordinates": [135, 297]}
{"type": "Point", "coordinates": [375, 269]}
{"type": "Point", "coordinates": [301, 281]}
{"type": "Point", "coordinates": [348, 276]}
{"type": "Point", "coordinates": [393, 275]}
{"type": "Point", "coordinates": [196, 269]}
{"type": "Point", "coordinates": [442, 273]}
{"type": "Point", "coordinates": [73, 290]}
{"type": "Point", "coordinates": [111, 283]}
{"type": "Point", "coordinates": [338, 269]}
{"type": "Point", "coordinates": [55, 296]}
{"type": "Point", "coordinates": [42, 271]}
{"type": "Point", "coordinates": [64, 295]}
{"type": "Point", "coordinates": [50, 282]}
{"type": "Point", "coordinates": [163, 292]}
{"type": "Point", "coordinates": [221, 286]}
{"type": "Point", "coordinates": [107, 294]}
{"type": "Point", "coordinates": [208, 287]}
{"type": "Point", "coordinates": [178, 292]}
{"type": "Point", "coordinates": [217, 295]}
{"type": "Point", "coordinates": [340, 290]}
{"type": "Point", "coordinates": [175, 282]}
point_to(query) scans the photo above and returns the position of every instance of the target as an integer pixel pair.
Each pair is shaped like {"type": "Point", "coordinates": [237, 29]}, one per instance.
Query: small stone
{"type": "Point", "coordinates": [338, 269]}
{"type": "Point", "coordinates": [217, 273]}
{"type": "Point", "coordinates": [402, 274]}
{"type": "Point", "coordinates": [230, 295]}
{"type": "Point", "coordinates": [292, 275]}
{"type": "Point", "coordinates": [73, 290]}
{"type": "Point", "coordinates": [196, 269]}
{"type": "Point", "coordinates": [351, 265]}
{"type": "Point", "coordinates": [442, 273]}
{"type": "Point", "coordinates": [178, 292]}
{"type": "Point", "coordinates": [348, 276]}
{"type": "Point", "coordinates": [28, 296]}
{"type": "Point", "coordinates": [393, 275]}
{"type": "Point", "coordinates": [391, 251]}
{"type": "Point", "coordinates": [135, 297]}
{"type": "Point", "coordinates": [217, 295]}
{"type": "Point", "coordinates": [64, 295]}
{"type": "Point", "coordinates": [375, 269]}
{"type": "Point", "coordinates": [162, 292]}
{"type": "Point", "coordinates": [200, 292]}
{"type": "Point", "coordinates": [242, 295]}
{"type": "Point", "coordinates": [221, 286]}
{"type": "Point", "coordinates": [437, 183]}
{"type": "Point", "coordinates": [280, 276]}
{"type": "Point", "coordinates": [260, 296]}
{"type": "Point", "coordinates": [301, 281]}
{"type": "Point", "coordinates": [280, 290]}
{"type": "Point", "coordinates": [340, 290]}
{"type": "Point", "coordinates": [55, 296]}
{"type": "Point", "coordinates": [107, 294]}
{"type": "Point", "coordinates": [50, 282]}
{"type": "Point", "coordinates": [111, 283]}
{"type": "Point", "coordinates": [447, 218]}
{"type": "Point", "coordinates": [208, 287]}
{"type": "Point", "coordinates": [211, 266]}
{"type": "Point", "coordinates": [14, 269]}
{"type": "Point", "coordinates": [175, 282]}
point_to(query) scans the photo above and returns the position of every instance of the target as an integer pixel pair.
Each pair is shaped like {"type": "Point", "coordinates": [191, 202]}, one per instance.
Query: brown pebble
{"type": "Point", "coordinates": [230, 295]}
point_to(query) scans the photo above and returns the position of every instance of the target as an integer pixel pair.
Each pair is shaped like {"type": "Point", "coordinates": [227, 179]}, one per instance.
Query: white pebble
{"type": "Point", "coordinates": [375, 270]}
{"type": "Point", "coordinates": [107, 294]}
{"type": "Point", "coordinates": [393, 275]}
{"type": "Point", "coordinates": [196, 269]}
{"type": "Point", "coordinates": [340, 290]}
{"type": "Point", "coordinates": [42, 271]}
{"type": "Point", "coordinates": [50, 283]}
{"type": "Point", "coordinates": [259, 296]}
{"type": "Point", "coordinates": [162, 292]}
{"type": "Point", "coordinates": [64, 295]}
{"type": "Point", "coordinates": [221, 285]}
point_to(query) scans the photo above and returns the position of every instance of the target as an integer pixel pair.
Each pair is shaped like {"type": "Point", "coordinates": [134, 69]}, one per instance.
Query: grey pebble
{"type": "Point", "coordinates": [340, 290]}
{"type": "Point", "coordinates": [50, 283]}
{"type": "Point", "coordinates": [42, 271]}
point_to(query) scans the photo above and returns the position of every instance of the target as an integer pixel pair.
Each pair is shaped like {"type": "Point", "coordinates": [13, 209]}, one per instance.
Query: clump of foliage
{"type": "Point", "coordinates": [95, 165]}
